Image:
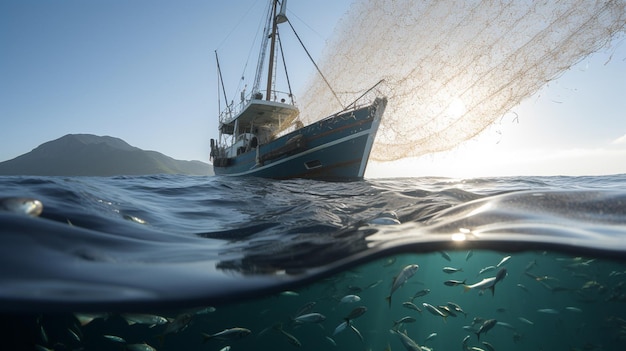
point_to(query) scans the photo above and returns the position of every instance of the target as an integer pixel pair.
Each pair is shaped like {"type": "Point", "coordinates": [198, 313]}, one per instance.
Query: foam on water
{"type": "Point", "coordinates": [453, 67]}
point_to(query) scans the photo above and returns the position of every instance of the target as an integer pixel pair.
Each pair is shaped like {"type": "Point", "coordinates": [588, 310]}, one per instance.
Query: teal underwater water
{"type": "Point", "coordinates": [186, 263]}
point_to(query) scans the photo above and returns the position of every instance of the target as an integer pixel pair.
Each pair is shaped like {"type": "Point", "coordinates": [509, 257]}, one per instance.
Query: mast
{"type": "Point", "coordinates": [270, 70]}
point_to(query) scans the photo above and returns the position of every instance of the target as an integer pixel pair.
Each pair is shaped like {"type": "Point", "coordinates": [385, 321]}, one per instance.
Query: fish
{"type": "Point", "coordinates": [411, 306]}
{"type": "Point", "coordinates": [445, 255]}
{"type": "Point", "coordinates": [204, 310]}
{"type": "Point", "coordinates": [548, 311]}
{"type": "Point", "coordinates": [42, 334]}
{"type": "Point", "coordinates": [456, 308]}
{"type": "Point", "coordinates": [523, 287]}
{"type": "Point", "coordinates": [356, 331]}
{"type": "Point", "coordinates": [485, 327]}
{"type": "Point", "coordinates": [530, 265]}
{"type": "Point", "coordinates": [355, 313]}
{"type": "Point", "coordinates": [434, 311]}
{"type": "Point", "coordinates": [341, 327]}
{"type": "Point", "coordinates": [21, 205]}
{"type": "Point", "coordinates": [140, 347]}
{"type": "Point", "coordinates": [304, 309]}
{"type": "Point", "coordinates": [408, 343]}
{"type": "Point", "coordinates": [374, 284]}
{"type": "Point", "coordinates": [454, 282]}
{"type": "Point", "coordinates": [310, 318]}
{"type": "Point", "coordinates": [573, 309]}
{"type": "Point", "coordinates": [181, 322]}
{"type": "Point", "coordinates": [503, 261]}
{"type": "Point", "coordinates": [350, 299]}
{"type": "Point", "coordinates": [114, 338]}
{"type": "Point", "coordinates": [86, 318]}
{"type": "Point", "coordinates": [488, 283]}
{"type": "Point", "coordinates": [489, 346]}
{"type": "Point", "coordinates": [225, 348]}
{"type": "Point", "coordinates": [289, 293]}
{"type": "Point", "coordinates": [290, 338]}
{"type": "Point", "coordinates": [446, 310]}
{"type": "Point", "coordinates": [470, 253]}
{"type": "Point", "coordinates": [228, 334]}
{"type": "Point", "coordinates": [73, 334]}
{"type": "Point", "coordinates": [149, 319]}
{"type": "Point", "coordinates": [525, 320]}
{"type": "Point", "coordinates": [404, 275]}
{"type": "Point", "coordinates": [420, 293]}
{"type": "Point", "coordinates": [451, 270]}
{"type": "Point", "coordinates": [465, 341]}
{"type": "Point", "coordinates": [486, 269]}
{"type": "Point", "coordinates": [430, 337]}
{"type": "Point", "coordinates": [403, 320]}
{"type": "Point", "coordinates": [331, 340]}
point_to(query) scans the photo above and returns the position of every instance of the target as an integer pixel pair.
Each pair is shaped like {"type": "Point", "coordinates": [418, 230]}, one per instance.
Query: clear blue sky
{"type": "Point", "coordinates": [144, 71]}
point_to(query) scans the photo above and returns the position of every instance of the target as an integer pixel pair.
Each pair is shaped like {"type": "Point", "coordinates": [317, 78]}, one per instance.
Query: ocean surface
{"type": "Point", "coordinates": [216, 263]}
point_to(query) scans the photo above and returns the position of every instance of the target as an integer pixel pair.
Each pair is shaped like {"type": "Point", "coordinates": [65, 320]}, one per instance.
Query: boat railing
{"type": "Point", "coordinates": [234, 109]}
{"type": "Point", "coordinates": [368, 97]}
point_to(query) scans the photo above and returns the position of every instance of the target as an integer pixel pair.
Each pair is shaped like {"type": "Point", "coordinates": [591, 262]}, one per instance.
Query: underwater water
{"type": "Point", "coordinates": [185, 263]}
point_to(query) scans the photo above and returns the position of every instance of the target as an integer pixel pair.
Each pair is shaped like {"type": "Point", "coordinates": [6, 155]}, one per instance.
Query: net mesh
{"type": "Point", "coordinates": [451, 68]}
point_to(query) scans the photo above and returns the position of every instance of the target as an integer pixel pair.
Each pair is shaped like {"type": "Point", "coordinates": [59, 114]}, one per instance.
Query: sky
{"type": "Point", "coordinates": [144, 71]}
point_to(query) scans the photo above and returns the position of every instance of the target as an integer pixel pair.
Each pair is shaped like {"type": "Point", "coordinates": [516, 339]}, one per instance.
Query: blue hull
{"type": "Point", "coordinates": [335, 148]}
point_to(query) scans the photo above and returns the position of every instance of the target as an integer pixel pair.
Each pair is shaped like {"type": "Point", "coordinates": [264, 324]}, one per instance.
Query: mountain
{"type": "Point", "coordinates": [91, 155]}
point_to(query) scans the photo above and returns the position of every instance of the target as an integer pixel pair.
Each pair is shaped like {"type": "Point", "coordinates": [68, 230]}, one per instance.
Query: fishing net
{"type": "Point", "coordinates": [451, 68]}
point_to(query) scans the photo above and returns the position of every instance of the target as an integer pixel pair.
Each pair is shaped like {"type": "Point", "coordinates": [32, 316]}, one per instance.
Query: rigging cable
{"type": "Point", "coordinates": [282, 54]}
{"type": "Point", "coordinates": [315, 64]}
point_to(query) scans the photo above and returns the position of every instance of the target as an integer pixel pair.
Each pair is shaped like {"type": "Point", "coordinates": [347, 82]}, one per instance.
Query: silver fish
{"type": "Point", "coordinates": [140, 347]}
{"type": "Point", "coordinates": [470, 253]}
{"type": "Point", "coordinates": [456, 308]}
{"type": "Point", "coordinates": [228, 334]}
{"type": "Point", "coordinates": [486, 269]}
{"type": "Point", "coordinates": [403, 320]}
{"type": "Point", "coordinates": [431, 336]}
{"type": "Point", "coordinates": [420, 293]}
{"type": "Point", "coordinates": [503, 261]}
{"type": "Point", "coordinates": [465, 341]}
{"type": "Point", "coordinates": [488, 283]}
{"type": "Point", "coordinates": [149, 319]}
{"type": "Point", "coordinates": [356, 331]}
{"type": "Point", "coordinates": [408, 343]}
{"type": "Point", "coordinates": [404, 275]}
{"type": "Point", "coordinates": [115, 338]}
{"type": "Point", "coordinates": [292, 339]}
{"type": "Point", "coordinates": [310, 318]}
{"type": "Point", "coordinates": [451, 270]}
{"type": "Point", "coordinates": [434, 311]}
{"type": "Point", "coordinates": [445, 255]}
{"type": "Point", "coordinates": [341, 327]}
{"type": "Point", "coordinates": [181, 322]}
{"type": "Point", "coordinates": [411, 306]}
{"type": "Point", "coordinates": [485, 327]}
{"type": "Point", "coordinates": [454, 282]}
{"type": "Point", "coordinates": [355, 313]}
{"type": "Point", "coordinates": [489, 346]}
{"type": "Point", "coordinates": [525, 320]}
{"type": "Point", "coordinates": [548, 311]}
{"type": "Point", "coordinates": [350, 299]}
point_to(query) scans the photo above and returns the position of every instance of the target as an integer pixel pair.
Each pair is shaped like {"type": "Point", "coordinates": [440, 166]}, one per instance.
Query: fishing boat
{"type": "Point", "coordinates": [254, 137]}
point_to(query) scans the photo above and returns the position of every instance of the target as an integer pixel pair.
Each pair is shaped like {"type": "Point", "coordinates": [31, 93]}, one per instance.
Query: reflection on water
{"type": "Point", "coordinates": [466, 300]}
